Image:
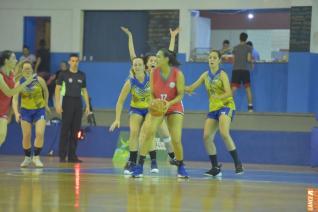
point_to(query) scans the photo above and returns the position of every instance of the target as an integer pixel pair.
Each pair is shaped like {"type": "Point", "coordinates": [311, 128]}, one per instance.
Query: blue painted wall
{"type": "Point", "coordinates": [313, 92]}
{"type": "Point", "coordinates": [298, 89]}
{"type": "Point", "coordinates": [277, 87]}
{"type": "Point", "coordinates": [269, 83]}
{"type": "Point", "coordinates": [292, 148]}
{"type": "Point", "coordinates": [314, 147]}
{"type": "Point", "coordinates": [289, 87]}
{"type": "Point", "coordinates": [57, 58]}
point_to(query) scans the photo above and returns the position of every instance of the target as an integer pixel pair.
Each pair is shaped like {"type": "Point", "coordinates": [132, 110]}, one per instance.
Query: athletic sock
{"type": "Point", "coordinates": [133, 156]}
{"type": "Point", "coordinates": [235, 157]}
{"type": "Point", "coordinates": [153, 155]}
{"type": "Point", "coordinates": [141, 160]}
{"type": "Point", "coordinates": [214, 160]}
{"type": "Point", "coordinates": [37, 151]}
{"type": "Point", "coordinates": [27, 152]}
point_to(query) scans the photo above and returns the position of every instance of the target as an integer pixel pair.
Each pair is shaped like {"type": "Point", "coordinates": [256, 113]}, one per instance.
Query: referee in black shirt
{"type": "Point", "coordinates": [71, 108]}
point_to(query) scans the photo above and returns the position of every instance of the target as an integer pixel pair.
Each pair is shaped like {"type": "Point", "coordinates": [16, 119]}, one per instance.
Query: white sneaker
{"type": "Point", "coordinates": [27, 161]}
{"type": "Point", "coordinates": [154, 167]}
{"type": "Point", "coordinates": [37, 162]}
{"type": "Point", "coordinates": [154, 171]}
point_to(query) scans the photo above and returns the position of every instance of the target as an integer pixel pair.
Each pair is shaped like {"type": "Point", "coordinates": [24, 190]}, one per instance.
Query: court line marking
{"type": "Point", "coordinates": [46, 172]}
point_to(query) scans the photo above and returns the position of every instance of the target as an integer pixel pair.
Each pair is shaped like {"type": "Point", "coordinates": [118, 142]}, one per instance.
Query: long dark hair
{"type": "Point", "coordinates": [147, 57]}
{"type": "Point", "coordinates": [172, 57]}
{"type": "Point", "coordinates": [5, 55]}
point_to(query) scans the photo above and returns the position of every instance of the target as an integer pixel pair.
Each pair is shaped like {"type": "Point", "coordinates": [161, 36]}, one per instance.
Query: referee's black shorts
{"type": "Point", "coordinates": [241, 77]}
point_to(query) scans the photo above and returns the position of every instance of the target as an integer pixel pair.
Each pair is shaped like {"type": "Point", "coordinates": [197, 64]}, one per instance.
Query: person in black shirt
{"type": "Point", "coordinates": [42, 58]}
{"type": "Point", "coordinates": [63, 68]}
{"type": "Point", "coordinates": [51, 82]}
{"type": "Point", "coordinates": [71, 108]}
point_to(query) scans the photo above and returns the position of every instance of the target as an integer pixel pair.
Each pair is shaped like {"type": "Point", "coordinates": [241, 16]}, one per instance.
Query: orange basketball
{"type": "Point", "coordinates": [156, 107]}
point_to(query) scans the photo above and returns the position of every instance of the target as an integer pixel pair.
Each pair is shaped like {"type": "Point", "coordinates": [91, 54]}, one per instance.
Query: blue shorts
{"type": "Point", "coordinates": [140, 111]}
{"type": "Point", "coordinates": [32, 116]}
{"type": "Point", "coordinates": [223, 111]}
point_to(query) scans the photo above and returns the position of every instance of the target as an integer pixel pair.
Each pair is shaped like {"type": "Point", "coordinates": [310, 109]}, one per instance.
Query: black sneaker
{"type": "Point", "coordinates": [174, 162]}
{"type": "Point", "coordinates": [214, 171]}
{"type": "Point", "coordinates": [250, 108]}
{"type": "Point", "coordinates": [74, 160]}
{"type": "Point", "coordinates": [239, 169]}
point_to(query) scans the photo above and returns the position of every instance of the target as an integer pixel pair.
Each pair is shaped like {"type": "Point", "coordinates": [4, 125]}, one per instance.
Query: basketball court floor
{"type": "Point", "coordinates": [99, 185]}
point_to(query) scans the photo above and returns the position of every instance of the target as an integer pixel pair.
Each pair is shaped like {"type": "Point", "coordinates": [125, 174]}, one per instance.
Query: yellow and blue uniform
{"type": "Point", "coordinates": [140, 96]}
{"type": "Point", "coordinates": [32, 101]}
{"type": "Point", "coordinates": [217, 107]}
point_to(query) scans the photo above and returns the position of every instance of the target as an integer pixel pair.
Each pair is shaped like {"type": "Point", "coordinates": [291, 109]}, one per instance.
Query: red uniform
{"type": "Point", "coordinates": [166, 89]}
{"type": "Point", "coordinates": [5, 101]}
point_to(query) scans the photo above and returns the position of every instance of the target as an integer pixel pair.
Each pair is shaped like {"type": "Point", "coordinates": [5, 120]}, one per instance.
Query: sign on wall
{"type": "Point", "coordinates": [300, 25]}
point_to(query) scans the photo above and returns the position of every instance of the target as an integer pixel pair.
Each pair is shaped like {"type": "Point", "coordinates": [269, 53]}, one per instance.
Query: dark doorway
{"type": "Point", "coordinates": [36, 29]}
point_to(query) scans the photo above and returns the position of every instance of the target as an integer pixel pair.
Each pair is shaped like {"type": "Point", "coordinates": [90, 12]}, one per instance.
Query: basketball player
{"type": "Point", "coordinates": [8, 62]}
{"type": "Point", "coordinates": [138, 86]}
{"type": "Point", "coordinates": [221, 112]}
{"type": "Point", "coordinates": [166, 83]}
{"type": "Point", "coordinates": [34, 103]}
{"type": "Point", "coordinates": [151, 63]}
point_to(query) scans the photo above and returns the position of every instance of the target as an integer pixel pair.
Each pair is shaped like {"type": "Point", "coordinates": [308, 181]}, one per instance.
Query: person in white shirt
{"type": "Point", "coordinates": [27, 56]}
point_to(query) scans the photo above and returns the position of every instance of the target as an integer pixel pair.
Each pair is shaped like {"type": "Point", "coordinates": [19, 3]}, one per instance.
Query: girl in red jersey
{"type": "Point", "coordinates": [151, 63]}
{"type": "Point", "coordinates": [166, 83]}
{"type": "Point", "coordinates": [8, 62]}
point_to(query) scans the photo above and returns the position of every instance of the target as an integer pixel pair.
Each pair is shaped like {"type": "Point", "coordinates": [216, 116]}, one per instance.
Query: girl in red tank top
{"type": "Point", "coordinates": [151, 63]}
{"type": "Point", "coordinates": [166, 89]}
{"type": "Point", "coordinates": [8, 62]}
{"type": "Point", "coordinates": [5, 101]}
{"type": "Point", "coordinates": [167, 83]}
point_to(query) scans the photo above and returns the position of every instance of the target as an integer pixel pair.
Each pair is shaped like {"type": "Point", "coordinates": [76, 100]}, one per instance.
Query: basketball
{"type": "Point", "coordinates": [156, 107]}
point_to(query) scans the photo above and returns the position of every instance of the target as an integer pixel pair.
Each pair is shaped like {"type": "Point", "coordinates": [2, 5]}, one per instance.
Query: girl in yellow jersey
{"type": "Point", "coordinates": [221, 112]}
{"type": "Point", "coordinates": [151, 63]}
{"type": "Point", "coordinates": [139, 87]}
{"type": "Point", "coordinates": [34, 99]}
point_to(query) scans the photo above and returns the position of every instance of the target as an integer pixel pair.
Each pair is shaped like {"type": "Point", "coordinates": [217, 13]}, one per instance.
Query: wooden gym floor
{"type": "Point", "coordinates": [98, 185]}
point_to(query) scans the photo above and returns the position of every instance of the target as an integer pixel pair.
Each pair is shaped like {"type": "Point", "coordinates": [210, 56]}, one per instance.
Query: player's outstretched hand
{"type": "Point", "coordinates": [115, 124]}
